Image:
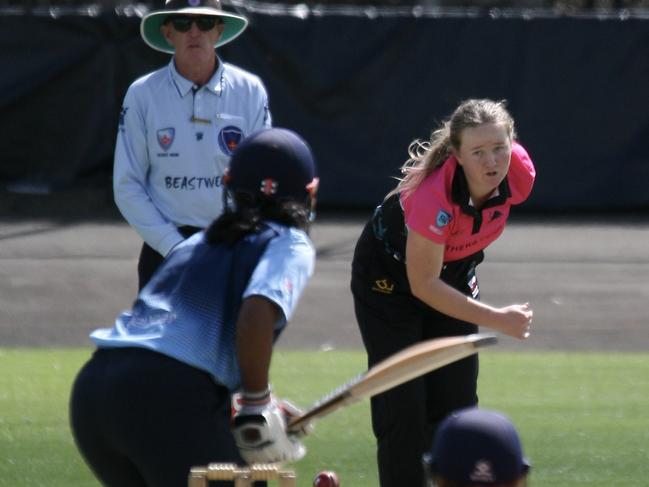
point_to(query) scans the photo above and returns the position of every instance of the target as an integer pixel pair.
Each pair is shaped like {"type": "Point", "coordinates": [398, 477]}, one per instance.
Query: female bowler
{"type": "Point", "coordinates": [413, 271]}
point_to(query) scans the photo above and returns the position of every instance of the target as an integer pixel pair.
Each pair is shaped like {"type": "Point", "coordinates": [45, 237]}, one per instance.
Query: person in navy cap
{"type": "Point", "coordinates": [155, 398]}
{"type": "Point", "coordinates": [476, 447]}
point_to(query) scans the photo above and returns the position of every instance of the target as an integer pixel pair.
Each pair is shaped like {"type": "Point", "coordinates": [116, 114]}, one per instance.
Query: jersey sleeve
{"type": "Point", "coordinates": [283, 271]}
{"type": "Point", "coordinates": [256, 100]}
{"type": "Point", "coordinates": [130, 169]}
{"type": "Point", "coordinates": [262, 118]}
{"type": "Point", "coordinates": [522, 174]}
{"type": "Point", "coordinates": [428, 212]}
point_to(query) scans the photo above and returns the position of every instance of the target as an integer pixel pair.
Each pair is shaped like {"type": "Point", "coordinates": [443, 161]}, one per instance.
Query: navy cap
{"type": "Point", "coordinates": [477, 446]}
{"type": "Point", "coordinates": [275, 162]}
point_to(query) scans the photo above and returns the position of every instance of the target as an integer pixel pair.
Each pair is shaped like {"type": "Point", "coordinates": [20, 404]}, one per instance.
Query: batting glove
{"type": "Point", "coordinates": [259, 429]}
{"type": "Point", "coordinates": [291, 411]}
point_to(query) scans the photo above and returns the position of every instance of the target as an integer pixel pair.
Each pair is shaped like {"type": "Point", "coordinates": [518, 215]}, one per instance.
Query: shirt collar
{"type": "Point", "coordinates": [215, 84]}
{"type": "Point", "coordinates": [494, 193]}
{"type": "Point", "coordinates": [462, 197]}
{"type": "Point", "coordinates": [184, 86]}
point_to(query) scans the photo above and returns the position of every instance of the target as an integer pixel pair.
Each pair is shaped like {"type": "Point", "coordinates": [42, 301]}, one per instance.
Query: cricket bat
{"type": "Point", "coordinates": [401, 367]}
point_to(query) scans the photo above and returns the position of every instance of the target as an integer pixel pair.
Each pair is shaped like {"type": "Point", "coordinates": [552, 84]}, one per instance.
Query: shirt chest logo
{"type": "Point", "coordinates": [229, 138]}
{"type": "Point", "coordinates": [166, 137]}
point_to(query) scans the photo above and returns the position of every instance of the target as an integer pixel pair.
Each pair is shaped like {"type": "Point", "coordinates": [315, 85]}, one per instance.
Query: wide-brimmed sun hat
{"type": "Point", "coordinates": [150, 25]}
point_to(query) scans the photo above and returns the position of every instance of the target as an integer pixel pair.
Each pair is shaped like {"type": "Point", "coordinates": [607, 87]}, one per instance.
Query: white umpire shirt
{"type": "Point", "coordinates": [174, 143]}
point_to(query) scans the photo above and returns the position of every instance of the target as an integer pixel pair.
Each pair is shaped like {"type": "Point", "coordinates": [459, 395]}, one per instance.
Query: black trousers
{"type": "Point", "coordinates": [150, 259]}
{"type": "Point", "coordinates": [404, 419]}
{"type": "Point", "coordinates": [142, 419]}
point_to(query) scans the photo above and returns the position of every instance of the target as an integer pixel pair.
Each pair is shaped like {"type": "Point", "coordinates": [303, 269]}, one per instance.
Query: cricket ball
{"type": "Point", "coordinates": [326, 478]}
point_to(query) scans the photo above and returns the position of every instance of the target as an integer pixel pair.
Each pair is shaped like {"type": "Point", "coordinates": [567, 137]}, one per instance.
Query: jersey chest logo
{"type": "Point", "coordinates": [166, 137]}
{"type": "Point", "coordinates": [229, 138]}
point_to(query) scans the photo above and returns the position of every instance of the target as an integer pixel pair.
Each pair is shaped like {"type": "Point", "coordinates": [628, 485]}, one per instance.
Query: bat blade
{"type": "Point", "coordinates": [401, 367]}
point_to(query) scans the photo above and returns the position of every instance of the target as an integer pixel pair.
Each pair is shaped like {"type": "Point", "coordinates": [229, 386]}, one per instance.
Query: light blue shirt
{"type": "Point", "coordinates": [174, 143]}
{"type": "Point", "coordinates": [186, 311]}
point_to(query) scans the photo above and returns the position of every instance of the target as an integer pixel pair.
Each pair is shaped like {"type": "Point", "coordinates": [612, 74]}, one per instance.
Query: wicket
{"type": "Point", "coordinates": [242, 476]}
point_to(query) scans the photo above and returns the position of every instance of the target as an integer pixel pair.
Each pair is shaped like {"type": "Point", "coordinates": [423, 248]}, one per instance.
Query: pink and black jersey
{"type": "Point", "coordinates": [440, 208]}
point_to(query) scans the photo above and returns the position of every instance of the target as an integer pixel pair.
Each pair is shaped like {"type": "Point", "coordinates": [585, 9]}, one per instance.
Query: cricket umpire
{"type": "Point", "coordinates": [413, 272]}
{"type": "Point", "coordinates": [179, 126]}
{"type": "Point", "coordinates": [155, 397]}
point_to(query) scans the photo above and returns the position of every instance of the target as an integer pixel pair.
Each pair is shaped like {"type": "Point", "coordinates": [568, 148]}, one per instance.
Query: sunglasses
{"type": "Point", "coordinates": [183, 23]}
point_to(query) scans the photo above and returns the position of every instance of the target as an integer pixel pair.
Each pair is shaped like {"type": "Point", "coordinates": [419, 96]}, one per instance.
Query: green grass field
{"type": "Point", "coordinates": [584, 417]}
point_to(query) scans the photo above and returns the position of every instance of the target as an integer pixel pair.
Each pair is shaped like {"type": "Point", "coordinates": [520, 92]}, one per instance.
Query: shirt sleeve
{"type": "Point", "coordinates": [522, 174]}
{"type": "Point", "coordinates": [261, 118]}
{"type": "Point", "coordinates": [283, 271]}
{"type": "Point", "coordinates": [130, 171]}
{"type": "Point", "coordinates": [427, 211]}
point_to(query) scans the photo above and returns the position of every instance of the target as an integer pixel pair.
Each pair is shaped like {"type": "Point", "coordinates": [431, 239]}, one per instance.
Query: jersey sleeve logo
{"type": "Point", "coordinates": [166, 137]}
{"type": "Point", "coordinates": [443, 218]}
{"type": "Point", "coordinates": [122, 116]}
{"type": "Point", "coordinates": [229, 138]}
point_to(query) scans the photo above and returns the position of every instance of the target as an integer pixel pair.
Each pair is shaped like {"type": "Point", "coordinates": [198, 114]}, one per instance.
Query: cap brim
{"type": "Point", "coordinates": [432, 468]}
{"type": "Point", "coordinates": [234, 25]}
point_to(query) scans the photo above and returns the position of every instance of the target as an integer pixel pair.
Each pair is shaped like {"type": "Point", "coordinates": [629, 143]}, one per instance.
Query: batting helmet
{"type": "Point", "coordinates": [274, 163]}
{"type": "Point", "coordinates": [476, 447]}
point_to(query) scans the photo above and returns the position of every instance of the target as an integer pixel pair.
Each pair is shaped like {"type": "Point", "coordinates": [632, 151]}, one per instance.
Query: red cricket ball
{"type": "Point", "coordinates": [326, 478]}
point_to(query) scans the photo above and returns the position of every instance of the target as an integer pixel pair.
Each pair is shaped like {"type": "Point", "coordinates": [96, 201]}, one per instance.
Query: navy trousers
{"type": "Point", "coordinates": [142, 419]}
{"type": "Point", "coordinates": [404, 419]}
